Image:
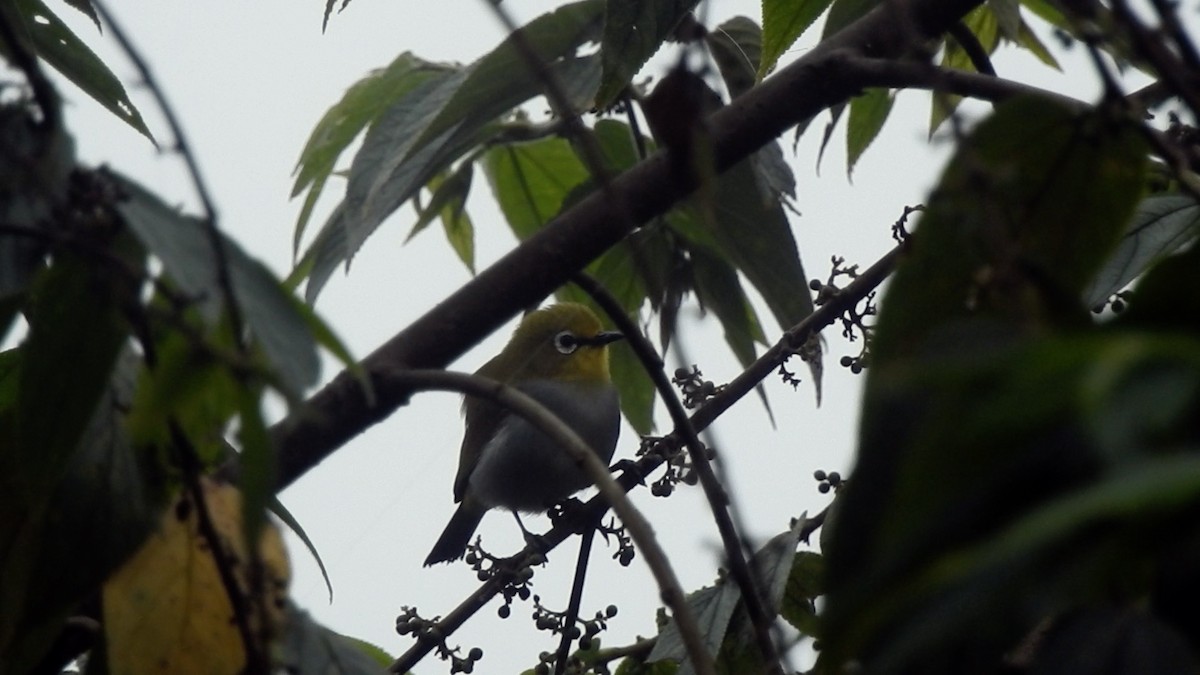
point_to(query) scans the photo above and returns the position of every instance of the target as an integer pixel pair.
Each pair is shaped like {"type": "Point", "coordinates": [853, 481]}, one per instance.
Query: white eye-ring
{"type": "Point", "coordinates": [566, 342]}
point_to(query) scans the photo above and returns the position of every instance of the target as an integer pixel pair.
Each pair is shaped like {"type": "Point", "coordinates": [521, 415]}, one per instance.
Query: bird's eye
{"type": "Point", "coordinates": [566, 342]}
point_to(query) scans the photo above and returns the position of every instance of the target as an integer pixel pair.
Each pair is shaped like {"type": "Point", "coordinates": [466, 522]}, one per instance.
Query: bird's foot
{"type": "Point", "coordinates": [632, 468]}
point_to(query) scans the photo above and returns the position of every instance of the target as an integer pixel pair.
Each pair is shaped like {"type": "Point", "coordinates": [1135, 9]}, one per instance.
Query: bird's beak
{"type": "Point", "coordinates": [605, 337]}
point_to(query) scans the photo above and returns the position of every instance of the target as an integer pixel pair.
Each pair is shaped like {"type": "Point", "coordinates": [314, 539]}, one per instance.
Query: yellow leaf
{"type": "Point", "coordinates": [167, 611]}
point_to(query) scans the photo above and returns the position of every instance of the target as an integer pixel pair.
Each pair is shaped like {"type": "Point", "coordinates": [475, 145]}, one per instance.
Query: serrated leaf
{"type": "Point", "coordinates": [1161, 225]}
{"type": "Point", "coordinates": [63, 50]}
{"type": "Point", "coordinates": [1027, 39]}
{"type": "Point", "coordinates": [448, 202]}
{"type": "Point", "coordinates": [784, 21]}
{"type": "Point", "coordinates": [184, 246]}
{"type": "Point", "coordinates": [1049, 12]}
{"type": "Point", "coordinates": [757, 238]}
{"type": "Point", "coordinates": [359, 107]}
{"type": "Point", "coordinates": [443, 118]}
{"type": "Point", "coordinates": [804, 584]}
{"type": "Point", "coordinates": [633, 31]}
{"type": "Point", "coordinates": [714, 606]}
{"type": "Point", "coordinates": [868, 113]}
{"type": "Point", "coordinates": [736, 46]}
{"type": "Point", "coordinates": [719, 290]}
{"type": "Point", "coordinates": [501, 79]}
{"type": "Point", "coordinates": [531, 181]}
{"type": "Point", "coordinates": [835, 114]}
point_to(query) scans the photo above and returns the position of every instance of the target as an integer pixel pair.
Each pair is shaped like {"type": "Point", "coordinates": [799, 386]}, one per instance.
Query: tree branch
{"type": "Point", "coordinates": [715, 494]}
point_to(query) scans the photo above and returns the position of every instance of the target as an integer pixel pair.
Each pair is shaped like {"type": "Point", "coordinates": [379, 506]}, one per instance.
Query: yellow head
{"type": "Point", "coordinates": [561, 342]}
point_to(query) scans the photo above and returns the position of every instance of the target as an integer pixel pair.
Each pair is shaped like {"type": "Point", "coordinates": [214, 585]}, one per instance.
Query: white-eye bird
{"type": "Point", "coordinates": [558, 356]}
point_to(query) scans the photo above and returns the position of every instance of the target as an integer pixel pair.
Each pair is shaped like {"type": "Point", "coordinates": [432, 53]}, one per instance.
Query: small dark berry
{"type": "Point", "coordinates": [823, 488]}
{"type": "Point", "coordinates": [504, 611]}
{"type": "Point", "coordinates": [835, 477]}
{"type": "Point", "coordinates": [819, 474]}
{"type": "Point", "coordinates": [846, 361]}
{"type": "Point", "coordinates": [815, 285]}
{"type": "Point", "coordinates": [856, 368]}
{"type": "Point", "coordinates": [475, 654]}
{"type": "Point", "coordinates": [610, 611]}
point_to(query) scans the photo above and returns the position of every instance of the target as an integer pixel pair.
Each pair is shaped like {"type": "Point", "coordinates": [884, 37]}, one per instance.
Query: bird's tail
{"type": "Point", "coordinates": [453, 542]}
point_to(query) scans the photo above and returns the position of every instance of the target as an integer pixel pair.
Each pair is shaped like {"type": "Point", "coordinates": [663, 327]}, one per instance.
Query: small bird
{"type": "Point", "coordinates": [558, 356]}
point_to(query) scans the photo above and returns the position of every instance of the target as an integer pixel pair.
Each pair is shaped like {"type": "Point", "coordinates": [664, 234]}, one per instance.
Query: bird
{"type": "Point", "coordinates": [557, 355]}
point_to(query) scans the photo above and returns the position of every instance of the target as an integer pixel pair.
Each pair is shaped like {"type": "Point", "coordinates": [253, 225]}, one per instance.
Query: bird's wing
{"type": "Point", "coordinates": [483, 418]}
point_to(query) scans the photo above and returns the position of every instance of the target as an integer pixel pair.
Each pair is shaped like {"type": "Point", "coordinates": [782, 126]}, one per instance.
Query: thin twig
{"type": "Point", "coordinates": [571, 616]}
{"type": "Point", "coordinates": [718, 499]}
{"type": "Point", "coordinates": [257, 662]}
{"type": "Point", "coordinates": [215, 239]}
{"type": "Point", "coordinates": [972, 47]}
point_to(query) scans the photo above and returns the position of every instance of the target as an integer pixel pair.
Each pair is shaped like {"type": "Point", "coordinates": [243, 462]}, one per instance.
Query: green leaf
{"type": "Point", "coordinates": [68, 55]}
{"type": "Point", "coordinates": [359, 107]}
{"type": "Point", "coordinates": [1161, 225]}
{"type": "Point", "coordinates": [85, 6]}
{"type": "Point", "coordinates": [449, 201]}
{"type": "Point", "coordinates": [531, 181]}
{"type": "Point", "coordinates": [56, 555]}
{"type": "Point", "coordinates": [184, 246]}
{"type": "Point", "coordinates": [805, 583]}
{"type": "Point", "coordinates": [719, 290]}
{"type": "Point", "coordinates": [736, 46]}
{"type": "Point", "coordinates": [257, 463]}
{"type": "Point", "coordinates": [1027, 39]}
{"type": "Point", "coordinates": [75, 334]}
{"type": "Point", "coordinates": [756, 237]}
{"type": "Point", "coordinates": [501, 79]}
{"type": "Point", "coordinates": [868, 113]}
{"type": "Point", "coordinates": [784, 21]}
{"type": "Point", "coordinates": [713, 606]}
{"type": "Point", "coordinates": [285, 516]}
{"type": "Point", "coordinates": [188, 387]}
{"type": "Point", "coordinates": [442, 118]}
{"type": "Point", "coordinates": [633, 31]}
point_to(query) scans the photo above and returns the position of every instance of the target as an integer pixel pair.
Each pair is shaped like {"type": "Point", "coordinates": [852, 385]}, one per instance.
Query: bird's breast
{"type": "Point", "coordinates": [523, 469]}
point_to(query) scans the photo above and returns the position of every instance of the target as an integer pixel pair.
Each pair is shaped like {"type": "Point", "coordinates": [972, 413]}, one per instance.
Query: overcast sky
{"type": "Point", "coordinates": [248, 82]}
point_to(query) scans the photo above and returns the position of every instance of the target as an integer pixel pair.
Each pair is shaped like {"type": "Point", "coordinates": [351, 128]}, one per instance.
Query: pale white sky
{"type": "Point", "coordinates": [248, 82]}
